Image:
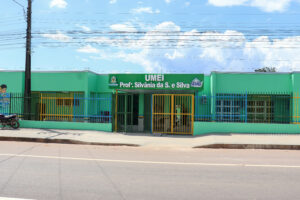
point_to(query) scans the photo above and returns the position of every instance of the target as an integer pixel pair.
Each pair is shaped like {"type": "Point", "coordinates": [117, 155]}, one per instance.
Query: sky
{"type": "Point", "coordinates": [152, 36]}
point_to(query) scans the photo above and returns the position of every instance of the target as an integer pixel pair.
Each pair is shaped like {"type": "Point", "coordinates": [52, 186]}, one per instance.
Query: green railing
{"type": "Point", "coordinates": [51, 106]}
{"type": "Point", "coordinates": [278, 108]}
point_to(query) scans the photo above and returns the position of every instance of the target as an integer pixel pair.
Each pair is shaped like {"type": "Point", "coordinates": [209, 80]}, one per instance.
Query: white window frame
{"type": "Point", "coordinates": [267, 116]}
{"type": "Point", "coordinates": [230, 116]}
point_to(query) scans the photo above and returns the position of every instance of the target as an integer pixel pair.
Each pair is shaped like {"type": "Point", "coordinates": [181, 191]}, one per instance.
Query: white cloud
{"type": "Point", "coordinates": [157, 36]}
{"type": "Point", "coordinates": [187, 3]}
{"type": "Point", "coordinates": [59, 36]}
{"type": "Point", "coordinates": [198, 52]}
{"type": "Point", "coordinates": [148, 10]}
{"type": "Point", "coordinates": [123, 27]}
{"type": "Point", "coordinates": [227, 2]}
{"type": "Point", "coordinates": [271, 6]}
{"type": "Point", "coordinates": [174, 55]}
{"type": "Point", "coordinates": [58, 4]}
{"type": "Point", "coordinates": [112, 1]}
{"type": "Point", "coordinates": [168, 1]}
{"type": "Point", "coordinates": [140, 59]}
{"type": "Point", "coordinates": [88, 49]}
{"type": "Point", "coordinates": [265, 5]}
{"type": "Point", "coordinates": [168, 26]}
{"type": "Point", "coordinates": [103, 41]}
{"type": "Point", "coordinates": [84, 28]}
{"type": "Point", "coordinates": [99, 39]}
{"type": "Point", "coordinates": [280, 53]}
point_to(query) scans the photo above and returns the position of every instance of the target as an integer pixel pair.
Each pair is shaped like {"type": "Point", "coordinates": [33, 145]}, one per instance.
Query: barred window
{"type": "Point", "coordinates": [230, 109]}
{"type": "Point", "coordinates": [59, 102]}
{"type": "Point", "coordinates": [67, 102]}
{"type": "Point", "coordinates": [260, 111]}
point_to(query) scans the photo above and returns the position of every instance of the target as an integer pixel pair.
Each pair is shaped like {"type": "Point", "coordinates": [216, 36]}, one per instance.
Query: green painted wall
{"type": "Point", "coordinates": [201, 128]}
{"type": "Point", "coordinates": [84, 81]}
{"type": "Point", "coordinates": [92, 82]}
{"type": "Point", "coordinates": [64, 81]}
{"type": "Point", "coordinates": [66, 125]}
{"type": "Point", "coordinates": [102, 84]}
{"type": "Point", "coordinates": [253, 82]}
{"type": "Point", "coordinates": [206, 87]}
{"type": "Point", "coordinates": [88, 83]}
{"type": "Point", "coordinates": [296, 94]}
{"type": "Point", "coordinates": [141, 104]}
{"type": "Point", "coordinates": [102, 105]}
{"type": "Point", "coordinates": [296, 82]}
{"type": "Point", "coordinates": [13, 80]}
{"type": "Point", "coordinates": [216, 82]}
{"type": "Point", "coordinates": [201, 109]}
{"type": "Point", "coordinates": [56, 81]}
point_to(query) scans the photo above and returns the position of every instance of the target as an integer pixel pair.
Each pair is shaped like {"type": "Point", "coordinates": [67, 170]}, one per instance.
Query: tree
{"type": "Point", "coordinates": [266, 69]}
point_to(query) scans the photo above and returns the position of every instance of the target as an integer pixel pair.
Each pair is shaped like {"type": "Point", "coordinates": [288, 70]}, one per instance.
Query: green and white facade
{"type": "Point", "coordinates": [221, 102]}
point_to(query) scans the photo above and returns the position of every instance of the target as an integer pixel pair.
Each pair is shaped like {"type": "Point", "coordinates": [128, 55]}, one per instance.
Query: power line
{"type": "Point", "coordinates": [24, 13]}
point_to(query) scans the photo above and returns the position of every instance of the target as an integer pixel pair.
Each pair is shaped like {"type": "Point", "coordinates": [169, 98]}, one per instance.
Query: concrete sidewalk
{"type": "Point", "coordinates": [280, 141]}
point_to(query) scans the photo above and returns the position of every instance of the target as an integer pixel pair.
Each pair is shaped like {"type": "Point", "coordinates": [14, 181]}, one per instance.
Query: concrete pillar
{"type": "Point", "coordinates": [213, 88]}
{"type": "Point", "coordinates": [295, 103]}
{"type": "Point", "coordinates": [86, 106]}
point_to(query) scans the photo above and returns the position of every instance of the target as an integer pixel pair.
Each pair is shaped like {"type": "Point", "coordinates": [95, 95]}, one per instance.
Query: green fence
{"type": "Point", "coordinates": [268, 108]}
{"type": "Point", "coordinates": [58, 106]}
{"type": "Point", "coordinates": [247, 108]}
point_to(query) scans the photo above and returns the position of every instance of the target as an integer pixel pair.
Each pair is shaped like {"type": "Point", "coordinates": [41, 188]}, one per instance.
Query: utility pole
{"type": "Point", "coordinates": [27, 92]}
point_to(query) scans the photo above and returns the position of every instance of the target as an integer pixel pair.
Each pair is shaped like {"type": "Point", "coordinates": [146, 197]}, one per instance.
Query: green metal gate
{"type": "Point", "coordinates": [123, 113]}
{"type": "Point", "coordinates": [126, 115]}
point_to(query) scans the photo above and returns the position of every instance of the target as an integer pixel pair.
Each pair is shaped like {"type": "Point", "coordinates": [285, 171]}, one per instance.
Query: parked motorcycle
{"type": "Point", "coordinates": [9, 120]}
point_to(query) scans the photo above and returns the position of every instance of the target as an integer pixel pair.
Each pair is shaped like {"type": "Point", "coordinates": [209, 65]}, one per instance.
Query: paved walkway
{"type": "Point", "coordinates": [98, 137]}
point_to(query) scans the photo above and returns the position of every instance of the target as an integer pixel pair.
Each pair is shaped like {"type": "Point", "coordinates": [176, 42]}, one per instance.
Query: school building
{"type": "Point", "coordinates": [191, 104]}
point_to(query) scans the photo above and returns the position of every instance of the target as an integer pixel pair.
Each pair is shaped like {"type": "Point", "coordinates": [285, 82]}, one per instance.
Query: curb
{"type": "Point", "coordinates": [250, 146]}
{"type": "Point", "coordinates": [62, 141]}
{"type": "Point", "coordinates": [210, 146]}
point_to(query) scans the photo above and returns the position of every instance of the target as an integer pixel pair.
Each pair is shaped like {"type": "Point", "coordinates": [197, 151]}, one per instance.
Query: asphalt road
{"type": "Point", "coordinates": [59, 171]}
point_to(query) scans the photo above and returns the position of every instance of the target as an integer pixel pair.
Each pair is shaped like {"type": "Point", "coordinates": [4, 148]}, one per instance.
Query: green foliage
{"type": "Point", "coordinates": [266, 69]}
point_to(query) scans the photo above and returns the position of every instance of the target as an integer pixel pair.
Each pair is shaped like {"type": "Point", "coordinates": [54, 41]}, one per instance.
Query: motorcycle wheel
{"type": "Point", "coordinates": [15, 124]}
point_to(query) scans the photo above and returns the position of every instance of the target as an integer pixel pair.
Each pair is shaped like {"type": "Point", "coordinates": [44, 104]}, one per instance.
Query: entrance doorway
{"type": "Point", "coordinates": [127, 112]}
{"type": "Point", "coordinates": [154, 113]}
{"type": "Point", "coordinates": [173, 113]}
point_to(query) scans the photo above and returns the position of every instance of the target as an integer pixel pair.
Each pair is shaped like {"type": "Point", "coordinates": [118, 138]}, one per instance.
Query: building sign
{"type": "Point", "coordinates": [156, 81]}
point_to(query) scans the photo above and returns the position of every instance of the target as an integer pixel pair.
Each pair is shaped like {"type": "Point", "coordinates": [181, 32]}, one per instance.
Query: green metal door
{"type": "Point", "coordinates": [124, 112]}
